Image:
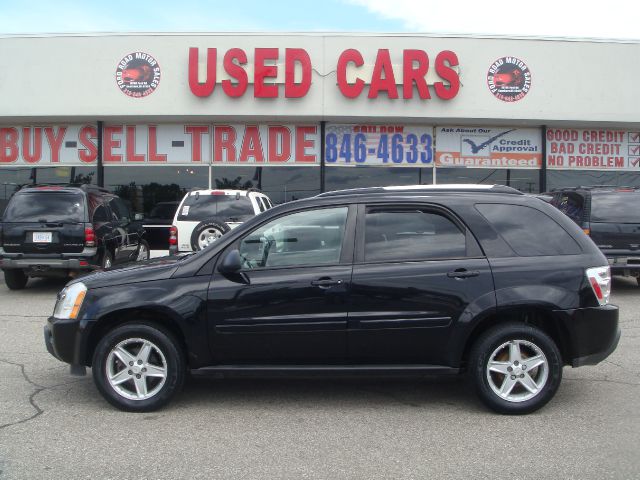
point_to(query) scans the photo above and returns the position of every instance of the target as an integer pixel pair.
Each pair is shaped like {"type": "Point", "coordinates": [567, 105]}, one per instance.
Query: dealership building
{"type": "Point", "coordinates": [151, 116]}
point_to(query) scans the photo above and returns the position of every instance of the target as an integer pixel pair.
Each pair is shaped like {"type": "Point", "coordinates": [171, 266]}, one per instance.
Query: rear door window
{"type": "Point", "coordinates": [528, 231]}
{"type": "Point", "coordinates": [412, 234]}
{"type": "Point", "coordinates": [119, 209]}
{"type": "Point", "coordinates": [46, 207]}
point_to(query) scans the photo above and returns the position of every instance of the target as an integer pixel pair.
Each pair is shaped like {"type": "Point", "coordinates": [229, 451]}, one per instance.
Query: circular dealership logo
{"type": "Point", "coordinates": [138, 74]}
{"type": "Point", "coordinates": [509, 79]}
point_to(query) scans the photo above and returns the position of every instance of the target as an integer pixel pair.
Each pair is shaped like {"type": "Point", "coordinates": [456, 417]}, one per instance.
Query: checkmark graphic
{"type": "Point", "coordinates": [476, 148]}
{"type": "Point", "coordinates": [634, 149]}
{"type": "Point", "coordinates": [634, 137]}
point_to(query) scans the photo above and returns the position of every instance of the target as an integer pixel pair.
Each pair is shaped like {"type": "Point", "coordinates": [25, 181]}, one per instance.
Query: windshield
{"type": "Point", "coordinates": [49, 207]}
{"type": "Point", "coordinates": [202, 207]}
{"type": "Point", "coordinates": [618, 207]}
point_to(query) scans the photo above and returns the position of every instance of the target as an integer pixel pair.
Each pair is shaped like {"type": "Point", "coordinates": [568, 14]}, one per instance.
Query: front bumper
{"type": "Point", "coordinates": [593, 333]}
{"type": "Point", "coordinates": [67, 341]}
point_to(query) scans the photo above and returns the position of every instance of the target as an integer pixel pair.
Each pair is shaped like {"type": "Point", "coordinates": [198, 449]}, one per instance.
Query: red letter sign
{"type": "Point", "coordinates": [262, 71]}
{"type": "Point", "coordinates": [293, 56]}
{"type": "Point", "coordinates": [347, 89]}
{"type": "Point", "coordinates": [202, 89]}
{"type": "Point", "coordinates": [447, 73]}
{"type": "Point", "coordinates": [416, 74]}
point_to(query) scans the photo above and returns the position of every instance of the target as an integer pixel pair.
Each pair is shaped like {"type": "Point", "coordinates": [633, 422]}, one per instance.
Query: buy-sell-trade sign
{"type": "Point", "coordinates": [488, 147]}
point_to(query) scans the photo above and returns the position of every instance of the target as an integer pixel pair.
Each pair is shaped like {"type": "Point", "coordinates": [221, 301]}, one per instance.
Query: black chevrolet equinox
{"type": "Point", "coordinates": [424, 280]}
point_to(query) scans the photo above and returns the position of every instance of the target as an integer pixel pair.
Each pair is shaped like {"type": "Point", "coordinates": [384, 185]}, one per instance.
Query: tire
{"type": "Point", "coordinates": [199, 237]}
{"type": "Point", "coordinates": [143, 251]}
{"type": "Point", "coordinates": [15, 279]}
{"type": "Point", "coordinates": [499, 346]}
{"type": "Point", "coordinates": [165, 357]}
{"type": "Point", "coordinates": [107, 260]}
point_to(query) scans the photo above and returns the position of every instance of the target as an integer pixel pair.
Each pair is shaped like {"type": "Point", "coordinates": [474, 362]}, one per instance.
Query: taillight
{"type": "Point", "coordinates": [600, 281]}
{"type": "Point", "coordinates": [587, 231]}
{"type": "Point", "coordinates": [89, 236]}
{"type": "Point", "coordinates": [173, 235]}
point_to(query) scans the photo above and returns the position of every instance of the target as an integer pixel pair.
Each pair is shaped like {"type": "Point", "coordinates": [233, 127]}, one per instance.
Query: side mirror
{"type": "Point", "coordinates": [138, 216]}
{"type": "Point", "coordinates": [231, 263]}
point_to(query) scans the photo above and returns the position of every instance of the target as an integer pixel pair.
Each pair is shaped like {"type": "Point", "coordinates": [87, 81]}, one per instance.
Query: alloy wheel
{"type": "Point", "coordinates": [136, 369]}
{"type": "Point", "coordinates": [517, 370]}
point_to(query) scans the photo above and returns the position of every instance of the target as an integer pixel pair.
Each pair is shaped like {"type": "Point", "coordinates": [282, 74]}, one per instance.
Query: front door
{"type": "Point", "coordinates": [417, 271]}
{"type": "Point", "coordinates": [288, 305]}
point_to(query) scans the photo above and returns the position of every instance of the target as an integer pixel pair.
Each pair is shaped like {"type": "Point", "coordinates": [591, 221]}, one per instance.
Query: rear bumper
{"type": "Point", "coordinates": [627, 264]}
{"type": "Point", "coordinates": [47, 262]}
{"type": "Point", "coordinates": [593, 333]}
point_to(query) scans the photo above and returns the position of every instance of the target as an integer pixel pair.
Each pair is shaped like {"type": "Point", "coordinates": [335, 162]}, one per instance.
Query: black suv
{"type": "Point", "coordinates": [611, 216]}
{"type": "Point", "coordinates": [399, 281]}
{"type": "Point", "coordinates": [53, 230]}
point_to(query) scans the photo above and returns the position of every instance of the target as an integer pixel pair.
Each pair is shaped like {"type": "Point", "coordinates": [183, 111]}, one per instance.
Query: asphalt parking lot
{"type": "Point", "coordinates": [53, 425]}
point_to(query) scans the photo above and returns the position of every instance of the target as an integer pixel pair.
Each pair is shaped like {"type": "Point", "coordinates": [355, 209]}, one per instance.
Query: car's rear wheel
{"type": "Point", "coordinates": [143, 251]}
{"type": "Point", "coordinates": [516, 368]}
{"type": "Point", "coordinates": [107, 260]}
{"type": "Point", "coordinates": [138, 367]}
{"type": "Point", "coordinates": [206, 233]}
{"type": "Point", "coordinates": [15, 279]}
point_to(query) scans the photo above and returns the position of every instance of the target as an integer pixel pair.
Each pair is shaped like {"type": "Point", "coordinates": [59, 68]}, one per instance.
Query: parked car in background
{"type": "Point", "coordinates": [158, 224]}
{"type": "Point", "coordinates": [387, 281]}
{"type": "Point", "coordinates": [610, 215]}
{"type": "Point", "coordinates": [205, 215]}
{"type": "Point", "coordinates": [54, 230]}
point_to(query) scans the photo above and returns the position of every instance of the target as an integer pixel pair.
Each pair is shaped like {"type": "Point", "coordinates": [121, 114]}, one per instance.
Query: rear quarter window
{"type": "Point", "coordinates": [529, 231]}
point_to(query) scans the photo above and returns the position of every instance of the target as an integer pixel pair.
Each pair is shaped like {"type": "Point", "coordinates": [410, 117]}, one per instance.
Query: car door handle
{"type": "Point", "coordinates": [326, 282]}
{"type": "Point", "coordinates": [463, 273]}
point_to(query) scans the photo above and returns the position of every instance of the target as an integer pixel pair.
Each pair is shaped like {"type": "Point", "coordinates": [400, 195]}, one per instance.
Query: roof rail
{"type": "Point", "coordinates": [82, 186]}
{"type": "Point", "coordinates": [596, 187]}
{"type": "Point", "coordinates": [424, 190]}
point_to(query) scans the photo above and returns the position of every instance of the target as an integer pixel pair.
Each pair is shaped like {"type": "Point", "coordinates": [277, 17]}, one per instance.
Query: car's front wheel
{"type": "Point", "coordinates": [516, 368]}
{"type": "Point", "coordinates": [138, 367]}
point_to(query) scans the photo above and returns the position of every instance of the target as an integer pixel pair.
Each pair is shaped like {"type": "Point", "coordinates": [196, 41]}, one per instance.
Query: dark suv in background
{"type": "Point", "coordinates": [611, 216]}
{"type": "Point", "coordinates": [53, 230]}
{"type": "Point", "coordinates": [386, 281]}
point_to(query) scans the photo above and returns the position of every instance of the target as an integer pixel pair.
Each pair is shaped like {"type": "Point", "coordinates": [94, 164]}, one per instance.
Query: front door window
{"type": "Point", "coordinates": [305, 238]}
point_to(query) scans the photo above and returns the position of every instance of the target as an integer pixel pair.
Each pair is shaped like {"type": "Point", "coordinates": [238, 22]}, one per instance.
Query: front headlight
{"type": "Point", "coordinates": [69, 301]}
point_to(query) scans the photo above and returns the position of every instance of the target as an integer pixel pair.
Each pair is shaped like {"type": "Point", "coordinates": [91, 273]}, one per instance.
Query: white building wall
{"type": "Point", "coordinates": [72, 79]}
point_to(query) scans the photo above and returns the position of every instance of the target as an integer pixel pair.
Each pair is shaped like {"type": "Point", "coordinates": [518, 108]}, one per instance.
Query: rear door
{"type": "Point", "coordinates": [417, 271]}
{"type": "Point", "coordinates": [44, 222]}
{"type": "Point", "coordinates": [125, 231]}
